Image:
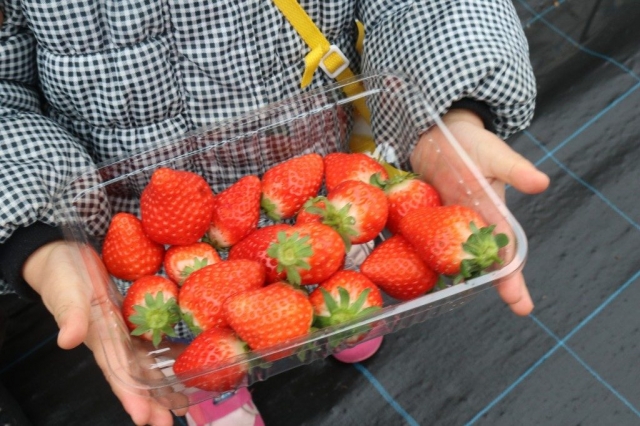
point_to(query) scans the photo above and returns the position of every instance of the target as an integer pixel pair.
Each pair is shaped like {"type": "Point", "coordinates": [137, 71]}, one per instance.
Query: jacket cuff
{"type": "Point", "coordinates": [480, 108]}
{"type": "Point", "coordinates": [15, 251]}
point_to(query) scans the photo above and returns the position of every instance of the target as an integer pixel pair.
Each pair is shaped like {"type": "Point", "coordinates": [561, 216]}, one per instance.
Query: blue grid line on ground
{"type": "Point", "coordinates": [538, 16]}
{"type": "Point", "coordinates": [25, 355]}
{"type": "Point", "coordinates": [602, 306]}
{"type": "Point", "coordinates": [587, 367]}
{"type": "Point", "coordinates": [383, 392]}
{"type": "Point", "coordinates": [576, 44]}
{"type": "Point", "coordinates": [583, 182]}
{"type": "Point", "coordinates": [513, 385]}
{"type": "Point", "coordinates": [586, 125]}
{"type": "Point", "coordinates": [560, 344]}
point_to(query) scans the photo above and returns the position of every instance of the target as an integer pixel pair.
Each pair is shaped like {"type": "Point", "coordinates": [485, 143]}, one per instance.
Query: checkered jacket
{"type": "Point", "coordinates": [84, 81]}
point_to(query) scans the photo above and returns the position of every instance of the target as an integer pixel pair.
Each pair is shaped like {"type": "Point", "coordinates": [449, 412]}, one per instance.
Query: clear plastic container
{"type": "Point", "coordinates": [320, 121]}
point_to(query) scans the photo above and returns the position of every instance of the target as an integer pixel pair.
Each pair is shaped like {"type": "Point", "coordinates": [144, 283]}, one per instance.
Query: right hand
{"type": "Point", "coordinates": [499, 164]}
{"type": "Point", "coordinates": [52, 272]}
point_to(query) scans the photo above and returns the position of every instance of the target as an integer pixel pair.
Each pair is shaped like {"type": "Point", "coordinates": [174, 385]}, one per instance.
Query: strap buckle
{"type": "Point", "coordinates": [345, 62]}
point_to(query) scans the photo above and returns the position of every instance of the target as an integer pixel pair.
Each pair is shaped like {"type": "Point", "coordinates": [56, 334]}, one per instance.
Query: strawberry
{"type": "Point", "coordinates": [269, 315]}
{"type": "Point", "coordinates": [127, 252]}
{"type": "Point", "coordinates": [308, 253]}
{"type": "Point", "coordinates": [150, 308]}
{"type": "Point", "coordinates": [254, 247]}
{"type": "Point", "coordinates": [176, 207]}
{"type": "Point", "coordinates": [405, 192]}
{"type": "Point", "coordinates": [287, 185]}
{"type": "Point", "coordinates": [236, 212]}
{"type": "Point", "coordinates": [209, 353]}
{"type": "Point", "coordinates": [394, 265]}
{"type": "Point", "coordinates": [181, 261]}
{"type": "Point", "coordinates": [344, 296]}
{"type": "Point", "coordinates": [453, 240]}
{"type": "Point", "coordinates": [205, 291]}
{"type": "Point", "coordinates": [356, 210]}
{"type": "Point", "coordinates": [343, 166]}
{"type": "Point", "coordinates": [314, 211]}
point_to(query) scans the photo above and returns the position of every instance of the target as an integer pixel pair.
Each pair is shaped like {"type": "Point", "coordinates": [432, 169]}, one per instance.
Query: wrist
{"type": "Point", "coordinates": [479, 109]}
{"type": "Point", "coordinates": [18, 248]}
{"type": "Point", "coordinates": [462, 115]}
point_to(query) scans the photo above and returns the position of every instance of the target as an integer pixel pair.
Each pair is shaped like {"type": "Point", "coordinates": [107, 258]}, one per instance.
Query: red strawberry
{"type": "Point", "coordinates": [344, 296]}
{"type": "Point", "coordinates": [269, 315]}
{"type": "Point", "coordinates": [176, 207]}
{"type": "Point", "coordinates": [254, 247]}
{"type": "Point", "coordinates": [308, 253]}
{"type": "Point", "coordinates": [342, 166]}
{"type": "Point", "coordinates": [453, 240]}
{"type": "Point", "coordinates": [205, 291]}
{"type": "Point", "coordinates": [287, 185]}
{"type": "Point", "coordinates": [209, 353]}
{"type": "Point", "coordinates": [394, 265]}
{"type": "Point", "coordinates": [127, 252]}
{"type": "Point", "coordinates": [356, 210]}
{"type": "Point", "coordinates": [181, 261]}
{"type": "Point", "coordinates": [150, 308]}
{"type": "Point", "coordinates": [407, 192]}
{"type": "Point", "coordinates": [313, 211]}
{"type": "Point", "coordinates": [236, 212]}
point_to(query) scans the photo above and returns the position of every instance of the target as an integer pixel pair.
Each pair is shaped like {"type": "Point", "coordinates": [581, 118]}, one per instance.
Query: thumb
{"type": "Point", "coordinates": [499, 161]}
{"type": "Point", "coordinates": [512, 168]}
{"type": "Point", "coordinates": [495, 158]}
{"type": "Point", "coordinates": [51, 272]}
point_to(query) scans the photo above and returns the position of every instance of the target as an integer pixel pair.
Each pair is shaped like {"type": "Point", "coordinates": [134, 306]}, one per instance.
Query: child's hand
{"type": "Point", "coordinates": [500, 165]}
{"type": "Point", "coordinates": [52, 273]}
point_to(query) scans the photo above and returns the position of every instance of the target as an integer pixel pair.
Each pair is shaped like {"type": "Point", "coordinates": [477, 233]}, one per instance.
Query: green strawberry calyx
{"type": "Point", "coordinates": [198, 263]}
{"type": "Point", "coordinates": [342, 309]}
{"type": "Point", "coordinates": [156, 316]}
{"type": "Point", "coordinates": [484, 247]}
{"type": "Point", "coordinates": [188, 319]}
{"type": "Point", "coordinates": [338, 219]}
{"type": "Point", "coordinates": [270, 209]}
{"type": "Point", "coordinates": [394, 181]}
{"type": "Point", "coordinates": [292, 253]}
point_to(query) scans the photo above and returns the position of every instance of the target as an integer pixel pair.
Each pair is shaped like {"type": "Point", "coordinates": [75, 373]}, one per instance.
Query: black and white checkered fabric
{"type": "Point", "coordinates": [83, 82]}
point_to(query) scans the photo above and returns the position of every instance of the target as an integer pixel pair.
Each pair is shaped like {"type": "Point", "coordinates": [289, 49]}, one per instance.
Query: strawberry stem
{"type": "Point", "coordinates": [270, 209]}
{"type": "Point", "coordinates": [292, 254]}
{"type": "Point", "coordinates": [342, 310]}
{"type": "Point", "coordinates": [393, 181]}
{"type": "Point", "coordinates": [155, 316]}
{"type": "Point", "coordinates": [188, 319]}
{"type": "Point", "coordinates": [198, 263]}
{"type": "Point", "coordinates": [340, 220]}
{"type": "Point", "coordinates": [484, 247]}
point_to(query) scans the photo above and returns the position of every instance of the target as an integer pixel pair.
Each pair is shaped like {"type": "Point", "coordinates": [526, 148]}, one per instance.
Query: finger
{"type": "Point", "coordinates": [514, 293]}
{"type": "Point", "coordinates": [506, 165]}
{"type": "Point", "coordinates": [70, 308]}
{"type": "Point", "coordinates": [143, 409]}
{"type": "Point", "coordinates": [63, 292]}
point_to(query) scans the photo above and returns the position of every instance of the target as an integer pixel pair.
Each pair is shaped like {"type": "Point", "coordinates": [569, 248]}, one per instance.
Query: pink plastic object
{"type": "Point", "coordinates": [359, 352]}
{"type": "Point", "coordinates": [237, 410]}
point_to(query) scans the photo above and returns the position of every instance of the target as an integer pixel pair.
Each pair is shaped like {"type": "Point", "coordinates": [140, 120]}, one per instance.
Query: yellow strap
{"type": "Point", "coordinates": [360, 41]}
{"type": "Point", "coordinates": [321, 52]}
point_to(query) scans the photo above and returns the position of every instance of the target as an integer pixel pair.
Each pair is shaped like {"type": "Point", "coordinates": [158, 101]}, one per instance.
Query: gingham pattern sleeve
{"type": "Point", "coordinates": [472, 49]}
{"type": "Point", "coordinates": [37, 155]}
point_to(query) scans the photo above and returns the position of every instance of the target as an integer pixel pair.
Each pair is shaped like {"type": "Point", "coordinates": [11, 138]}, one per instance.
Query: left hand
{"type": "Point", "coordinates": [500, 165]}
{"type": "Point", "coordinates": [52, 272]}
